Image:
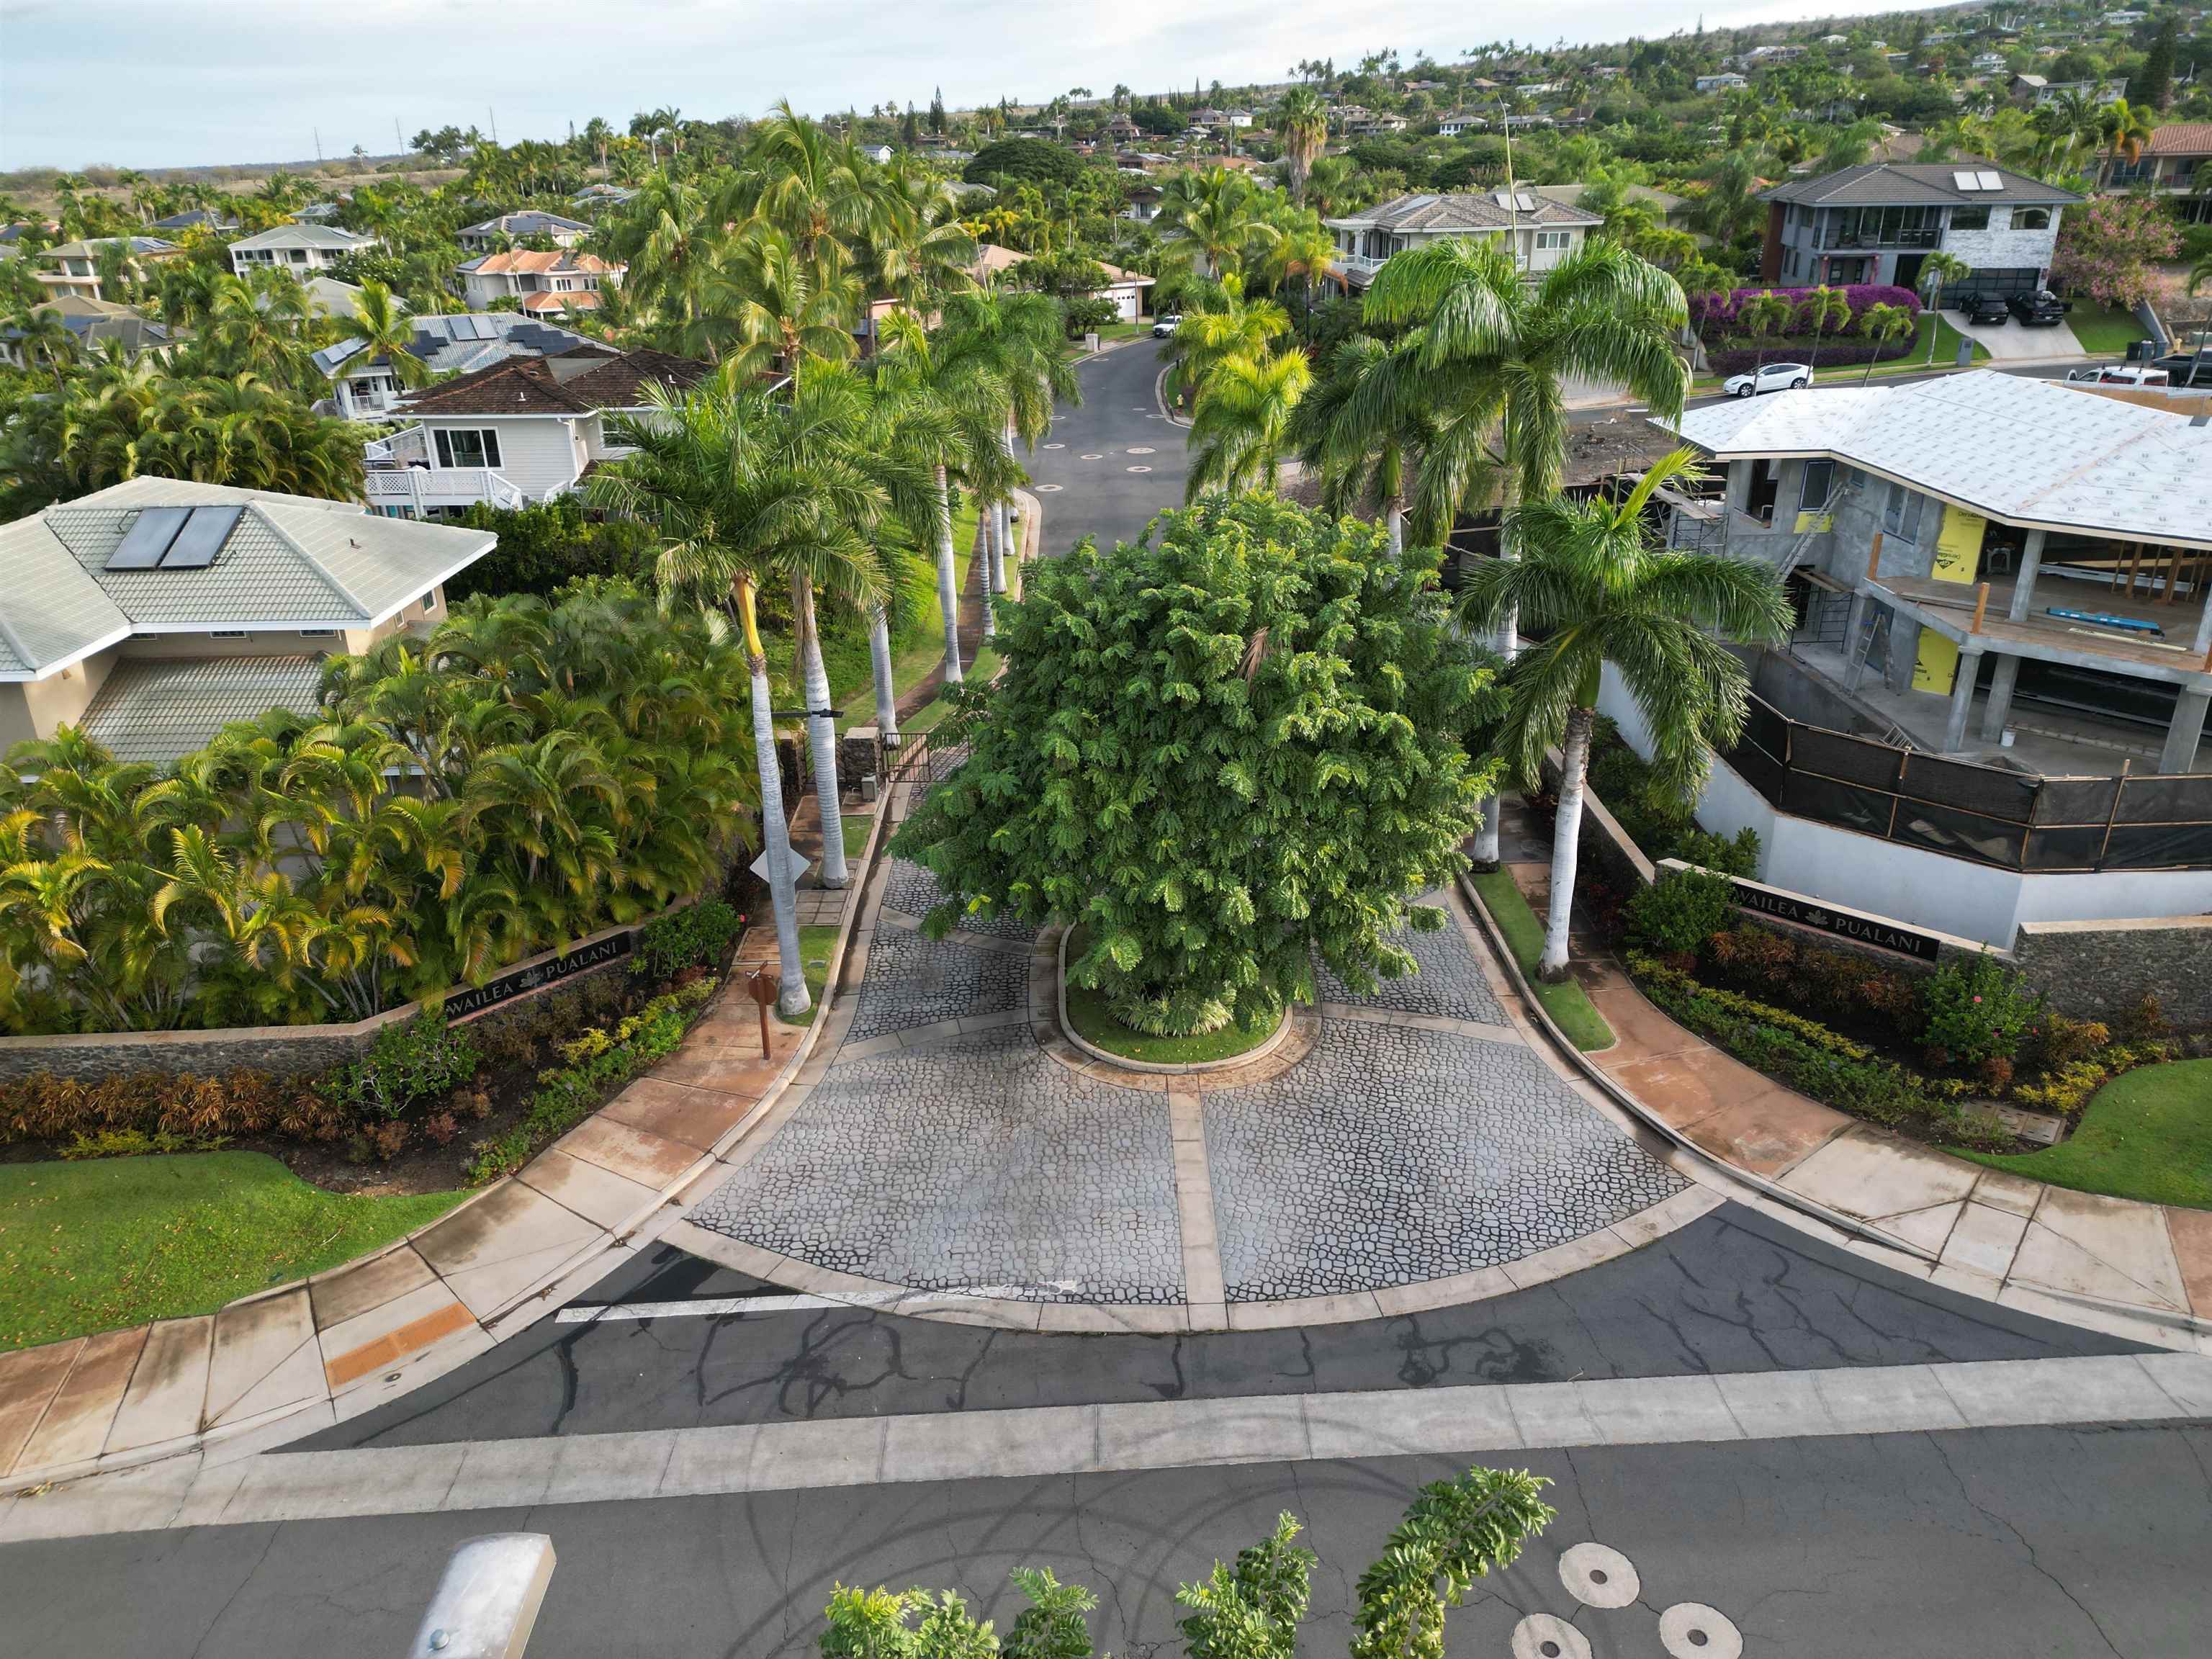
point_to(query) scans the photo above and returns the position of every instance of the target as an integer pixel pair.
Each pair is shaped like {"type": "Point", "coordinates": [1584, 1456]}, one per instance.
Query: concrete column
{"type": "Point", "coordinates": [2204, 626]}
{"type": "Point", "coordinates": [1962, 700]}
{"type": "Point", "coordinates": [2185, 733]}
{"type": "Point", "coordinates": [2000, 704]}
{"type": "Point", "coordinates": [2023, 593]}
{"type": "Point", "coordinates": [1904, 651]}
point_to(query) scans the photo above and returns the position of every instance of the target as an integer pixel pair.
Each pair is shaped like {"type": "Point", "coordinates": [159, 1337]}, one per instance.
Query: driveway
{"type": "Point", "coordinates": [1113, 461]}
{"type": "Point", "coordinates": [2009, 343]}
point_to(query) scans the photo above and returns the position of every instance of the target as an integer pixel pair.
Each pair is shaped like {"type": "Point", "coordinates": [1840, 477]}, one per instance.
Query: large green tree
{"type": "Point", "coordinates": [1219, 751]}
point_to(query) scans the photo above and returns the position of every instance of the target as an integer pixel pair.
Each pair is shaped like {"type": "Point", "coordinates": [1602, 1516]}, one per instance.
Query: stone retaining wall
{"type": "Point", "coordinates": [2097, 970]}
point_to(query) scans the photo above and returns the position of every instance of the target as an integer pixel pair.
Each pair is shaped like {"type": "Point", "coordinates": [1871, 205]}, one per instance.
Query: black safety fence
{"type": "Point", "coordinates": [2014, 820]}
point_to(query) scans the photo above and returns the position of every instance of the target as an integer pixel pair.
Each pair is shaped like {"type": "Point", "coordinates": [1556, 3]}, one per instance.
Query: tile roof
{"type": "Point", "coordinates": [156, 710]}
{"type": "Point", "coordinates": [322, 236]}
{"type": "Point", "coordinates": [524, 261]}
{"type": "Point", "coordinates": [556, 305]}
{"type": "Point", "coordinates": [91, 247]}
{"type": "Point", "coordinates": [572, 383]}
{"type": "Point", "coordinates": [2184, 138]}
{"type": "Point", "coordinates": [1440, 213]}
{"type": "Point", "coordinates": [1910, 184]}
{"type": "Point", "coordinates": [2029, 452]}
{"type": "Point", "coordinates": [291, 562]}
{"type": "Point", "coordinates": [530, 222]}
{"type": "Point", "coordinates": [463, 342]}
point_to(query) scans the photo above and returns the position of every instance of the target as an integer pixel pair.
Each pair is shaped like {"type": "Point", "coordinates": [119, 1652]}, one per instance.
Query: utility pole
{"type": "Point", "coordinates": [396, 138]}
{"type": "Point", "coordinates": [318, 145]}
{"type": "Point", "coordinates": [493, 115]}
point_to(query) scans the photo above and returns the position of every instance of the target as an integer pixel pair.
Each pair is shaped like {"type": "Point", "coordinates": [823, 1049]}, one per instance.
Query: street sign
{"type": "Point", "coordinates": [798, 866]}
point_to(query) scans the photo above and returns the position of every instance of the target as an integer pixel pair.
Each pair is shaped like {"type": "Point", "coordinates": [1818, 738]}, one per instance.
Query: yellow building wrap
{"type": "Point", "coordinates": [1958, 559]}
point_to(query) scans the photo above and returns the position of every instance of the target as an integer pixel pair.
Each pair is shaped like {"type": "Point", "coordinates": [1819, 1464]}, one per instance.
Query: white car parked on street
{"type": "Point", "coordinates": [1772, 377]}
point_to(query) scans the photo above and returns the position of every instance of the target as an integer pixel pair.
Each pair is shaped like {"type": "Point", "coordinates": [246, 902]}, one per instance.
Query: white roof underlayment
{"type": "Point", "coordinates": [2032, 452]}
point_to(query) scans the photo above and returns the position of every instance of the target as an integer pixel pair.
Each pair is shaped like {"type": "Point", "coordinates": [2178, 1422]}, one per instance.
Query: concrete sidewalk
{"type": "Point", "coordinates": [2140, 1270]}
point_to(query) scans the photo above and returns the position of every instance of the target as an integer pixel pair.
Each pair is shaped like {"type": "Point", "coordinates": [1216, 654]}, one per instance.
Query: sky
{"type": "Point", "coordinates": [154, 83]}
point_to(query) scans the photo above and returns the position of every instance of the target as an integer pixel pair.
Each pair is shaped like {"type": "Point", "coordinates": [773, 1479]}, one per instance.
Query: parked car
{"type": "Point", "coordinates": [2186, 368]}
{"type": "Point", "coordinates": [1990, 308]}
{"type": "Point", "coordinates": [2039, 309]}
{"type": "Point", "coordinates": [1163, 326]}
{"type": "Point", "coordinates": [1774, 377]}
{"type": "Point", "coordinates": [2119, 375]}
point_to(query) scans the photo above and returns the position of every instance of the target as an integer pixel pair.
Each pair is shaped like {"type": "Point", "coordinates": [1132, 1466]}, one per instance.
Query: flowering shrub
{"type": "Point", "coordinates": [1861, 297]}
{"type": "Point", "coordinates": [1977, 1012]}
{"type": "Point", "coordinates": [2107, 249]}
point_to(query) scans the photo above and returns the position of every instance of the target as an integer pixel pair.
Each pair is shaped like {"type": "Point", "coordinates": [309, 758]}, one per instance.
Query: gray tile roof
{"type": "Point", "coordinates": [156, 710]}
{"type": "Point", "coordinates": [460, 343]}
{"type": "Point", "coordinates": [1444, 213]}
{"type": "Point", "coordinates": [292, 562]}
{"type": "Point", "coordinates": [530, 223]}
{"type": "Point", "coordinates": [1916, 184]}
{"type": "Point", "coordinates": [323, 236]}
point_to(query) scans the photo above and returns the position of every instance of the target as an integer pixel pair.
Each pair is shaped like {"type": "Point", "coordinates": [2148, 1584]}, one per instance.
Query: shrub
{"type": "Point", "coordinates": [1731, 855]}
{"type": "Point", "coordinates": [412, 1060]}
{"type": "Point", "coordinates": [2055, 1042]}
{"type": "Point", "coordinates": [1975, 1011]}
{"type": "Point", "coordinates": [695, 937]}
{"type": "Point", "coordinates": [1088, 312]}
{"type": "Point", "coordinates": [1680, 913]}
{"type": "Point", "coordinates": [137, 1143]}
{"type": "Point", "coordinates": [153, 1103]}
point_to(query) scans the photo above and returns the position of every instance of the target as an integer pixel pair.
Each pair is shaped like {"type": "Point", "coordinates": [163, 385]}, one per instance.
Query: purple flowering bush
{"type": "Point", "coordinates": [1722, 308]}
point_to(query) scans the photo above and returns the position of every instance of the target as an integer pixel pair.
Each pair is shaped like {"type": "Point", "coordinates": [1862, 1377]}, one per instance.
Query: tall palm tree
{"type": "Point", "coordinates": [1302, 123]}
{"type": "Point", "coordinates": [1497, 355]}
{"type": "Point", "coordinates": [381, 324]}
{"type": "Point", "coordinates": [1881, 325]}
{"type": "Point", "coordinates": [1764, 314]}
{"type": "Point", "coordinates": [1224, 323]}
{"type": "Point", "coordinates": [770, 307]}
{"type": "Point", "coordinates": [1824, 308]}
{"type": "Point", "coordinates": [1593, 581]}
{"type": "Point", "coordinates": [1218, 214]}
{"type": "Point", "coordinates": [2125, 127]}
{"type": "Point", "coordinates": [1938, 270]}
{"type": "Point", "coordinates": [1241, 430]}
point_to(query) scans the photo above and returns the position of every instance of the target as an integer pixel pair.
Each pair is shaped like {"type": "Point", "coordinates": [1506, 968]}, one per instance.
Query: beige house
{"type": "Point", "coordinates": [1538, 230]}
{"type": "Point", "coordinates": [151, 614]}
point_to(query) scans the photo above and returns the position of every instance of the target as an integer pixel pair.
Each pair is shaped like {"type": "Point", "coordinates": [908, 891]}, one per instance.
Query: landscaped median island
{"type": "Point", "coordinates": [1567, 1003]}
{"type": "Point", "coordinates": [1090, 1012]}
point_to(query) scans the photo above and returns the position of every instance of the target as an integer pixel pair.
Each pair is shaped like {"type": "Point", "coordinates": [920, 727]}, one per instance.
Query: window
{"type": "Point", "coordinates": [1550, 240]}
{"type": "Point", "coordinates": [430, 601]}
{"type": "Point", "coordinates": [1970, 218]}
{"type": "Point", "coordinates": [319, 633]}
{"type": "Point", "coordinates": [1900, 517]}
{"type": "Point", "coordinates": [228, 634]}
{"type": "Point", "coordinates": [468, 446]}
{"type": "Point", "coordinates": [1820, 479]}
{"type": "Point", "coordinates": [2031, 218]}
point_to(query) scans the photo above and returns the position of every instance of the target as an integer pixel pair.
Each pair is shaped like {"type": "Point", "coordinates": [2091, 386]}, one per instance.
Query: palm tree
{"type": "Point", "coordinates": [1498, 353]}
{"type": "Point", "coordinates": [688, 477]}
{"type": "Point", "coordinates": [2200, 273]}
{"type": "Point", "coordinates": [1225, 324]}
{"type": "Point", "coordinates": [381, 324]}
{"type": "Point", "coordinates": [1241, 428]}
{"type": "Point", "coordinates": [2125, 127]}
{"type": "Point", "coordinates": [1825, 307]}
{"type": "Point", "coordinates": [1881, 325]}
{"type": "Point", "coordinates": [1302, 123]}
{"type": "Point", "coordinates": [1218, 214]}
{"type": "Point", "coordinates": [1764, 314]}
{"type": "Point", "coordinates": [1938, 270]}
{"type": "Point", "coordinates": [1591, 579]}
{"type": "Point", "coordinates": [770, 307]}
{"type": "Point", "coordinates": [1361, 428]}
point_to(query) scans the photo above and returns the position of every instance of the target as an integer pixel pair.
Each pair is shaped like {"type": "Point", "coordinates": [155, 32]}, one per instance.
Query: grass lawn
{"type": "Point", "coordinates": [1111, 332]}
{"type": "Point", "coordinates": [1087, 1011]}
{"type": "Point", "coordinates": [108, 1243]}
{"type": "Point", "coordinates": [856, 833]}
{"type": "Point", "coordinates": [1570, 1009]}
{"type": "Point", "coordinates": [986, 665]}
{"type": "Point", "coordinates": [2103, 331]}
{"type": "Point", "coordinates": [2147, 1135]}
{"type": "Point", "coordinates": [815, 944]}
{"type": "Point", "coordinates": [922, 645]}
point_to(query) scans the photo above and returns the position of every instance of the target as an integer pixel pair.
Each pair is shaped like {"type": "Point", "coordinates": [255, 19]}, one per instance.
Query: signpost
{"type": "Point", "coordinates": [762, 987]}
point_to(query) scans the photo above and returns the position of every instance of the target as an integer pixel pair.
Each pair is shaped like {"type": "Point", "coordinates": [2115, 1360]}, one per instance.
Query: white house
{"type": "Point", "coordinates": [1540, 232]}
{"type": "Point", "coordinates": [365, 388]}
{"type": "Point", "coordinates": [299, 249]}
{"type": "Point", "coordinates": [523, 430]}
{"type": "Point", "coordinates": [1460, 121]}
{"type": "Point", "coordinates": [74, 267]}
{"type": "Point", "coordinates": [1728, 82]}
{"type": "Point", "coordinates": [154, 612]}
{"type": "Point", "coordinates": [548, 284]}
{"type": "Point", "coordinates": [880, 154]}
{"type": "Point", "coordinates": [490, 234]}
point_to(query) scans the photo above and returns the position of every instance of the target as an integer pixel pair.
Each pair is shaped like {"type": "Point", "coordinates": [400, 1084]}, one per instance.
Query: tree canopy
{"type": "Point", "coordinates": [1219, 750]}
{"type": "Point", "coordinates": [1034, 158]}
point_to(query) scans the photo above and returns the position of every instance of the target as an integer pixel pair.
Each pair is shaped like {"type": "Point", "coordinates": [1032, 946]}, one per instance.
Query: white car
{"type": "Point", "coordinates": [1163, 326]}
{"type": "Point", "coordinates": [1773, 377]}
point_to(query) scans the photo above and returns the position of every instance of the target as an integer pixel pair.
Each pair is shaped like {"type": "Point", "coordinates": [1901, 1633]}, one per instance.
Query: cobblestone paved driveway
{"type": "Point", "coordinates": [1421, 1138]}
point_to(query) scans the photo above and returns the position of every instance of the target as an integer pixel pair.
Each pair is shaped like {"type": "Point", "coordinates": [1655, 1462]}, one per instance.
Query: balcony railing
{"type": "Point", "coordinates": [410, 444]}
{"type": "Point", "coordinates": [420, 487]}
{"type": "Point", "coordinates": [1929, 238]}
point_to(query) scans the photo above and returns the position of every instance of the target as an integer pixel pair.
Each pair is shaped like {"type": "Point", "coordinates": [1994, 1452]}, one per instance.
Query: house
{"type": "Point", "coordinates": [150, 614]}
{"type": "Point", "coordinates": [523, 430]}
{"type": "Point", "coordinates": [91, 321]}
{"type": "Point", "coordinates": [194, 218]}
{"type": "Point", "coordinates": [1540, 232]}
{"type": "Point", "coordinates": [1672, 211]}
{"type": "Point", "coordinates": [2176, 161]}
{"type": "Point", "coordinates": [509, 228]}
{"type": "Point", "coordinates": [1124, 289]}
{"type": "Point", "coordinates": [548, 283]}
{"type": "Point", "coordinates": [301, 249]}
{"type": "Point", "coordinates": [594, 197]}
{"type": "Point", "coordinates": [74, 267]}
{"type": "Point", "coordinates": [1142, 203]}
{"type": "Point", "coordinates": [2002, 582]}
{"type": "Point", "coordinates": [1727, 81]}
{"type": "Point", "coordinates": [1878, 222]}
{"type": "Point", "coordinates": [1365, 123]}
{"type": "Point", "coordinates": [1460, 121]}
{"type": "Point", "coordinates": [1988, 63]}
{"type": "Point", "coordinates": [326, 296]}
{"type": "Point", "coordinates": [1123, 131]}
{"type": "Point", "coordinates": [880, 154]}
{"type": "Point", "coordinates": [2035, 91]}
{"type": "Point", "coordinates": [447, 345]}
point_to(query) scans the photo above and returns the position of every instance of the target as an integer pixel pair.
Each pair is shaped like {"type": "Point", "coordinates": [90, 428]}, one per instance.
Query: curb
{"type": "Point", "coordinates": [1183, 1068]}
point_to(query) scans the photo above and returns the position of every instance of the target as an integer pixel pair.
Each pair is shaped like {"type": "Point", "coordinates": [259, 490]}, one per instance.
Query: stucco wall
{"type": "Point", "coordinates": [538, 455]}
{"type": "Point", "coordinates": [32, 708]}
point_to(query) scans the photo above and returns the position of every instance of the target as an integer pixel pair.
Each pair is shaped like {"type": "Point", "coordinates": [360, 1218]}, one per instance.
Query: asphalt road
{"type": "Point", "coordinates": [1994, 1545]}
{"type": "Point", "coordinates": [1731, 1292]}
{"type": "Point", "coordinates": [1112, 462]}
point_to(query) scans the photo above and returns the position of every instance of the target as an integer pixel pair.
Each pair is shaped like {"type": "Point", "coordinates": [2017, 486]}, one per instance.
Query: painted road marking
{"type": "Point", "coordinates": [1094, 458]}
{"type": "Point", "coordinates": [1138, 469]}
{"type": "Point", "coordinates": [1056, 446]}
{"type": "Point", "coordinates": [1030, 1441]}
{"type": "Point", "coordinates": [1140, 449]}
{"type": "Point", "coordinates": [1044, 489]}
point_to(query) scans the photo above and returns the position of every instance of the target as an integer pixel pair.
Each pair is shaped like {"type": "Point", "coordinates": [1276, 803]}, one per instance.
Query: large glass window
{"type": "Point", "coordinates": [1901, 515]}
{"type": "Point", "coordinates": [1819, 478]}
{"type": "Point", "coordinates": [1970, 218]}
{"type": "Point", "coordinates": [467, 447]}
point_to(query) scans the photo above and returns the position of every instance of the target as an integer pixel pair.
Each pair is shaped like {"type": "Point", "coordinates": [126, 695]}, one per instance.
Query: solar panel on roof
{"type": "Point", "coordinates": [1991, 180]}
{"type": "Point", "coordinates": [1965, 181]}
{"type": "Point", "coordinates": [202, 537]}
{"type": "Point", "coordinates": [148, 539]}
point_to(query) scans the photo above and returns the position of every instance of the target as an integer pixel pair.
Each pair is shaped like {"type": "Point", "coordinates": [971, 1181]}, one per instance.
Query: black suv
{"type": "Point", "coordinates": [1990, 308]}
{"type": "Point", "coordinates": [2040, 309]}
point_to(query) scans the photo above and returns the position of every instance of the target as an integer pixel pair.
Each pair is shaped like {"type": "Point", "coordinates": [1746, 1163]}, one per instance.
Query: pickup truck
{"type": "Point", "coordinates": [2187, 368]}
{"type": "Point", "coordinates": [2039, 309]}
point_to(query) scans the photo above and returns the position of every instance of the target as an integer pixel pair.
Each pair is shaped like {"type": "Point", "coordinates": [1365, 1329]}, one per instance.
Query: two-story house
{"type": "Point", "coordinates": [1460, 121]}
{"type": "Point", "coordinates": [74, 267]}
{"type": "Point", "coordinates": [523, 430]}
{"type": "Point", "coordinates": [1879, 222]}
{"type": "Point", "coordinates": [303, 250]}
{"type": "Point", "coordinates": [490, 235]}
{"type": "Point", "coordinates": [2177, 162]}
{"type": "Point", "coordinates": [151, 614]}
{"type": "Point", "coordinates": [1540, 232]}
{"type": "Point", "coordinates": [365, 387]}
{"type": "Point", "coordinates": [557, 283]}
